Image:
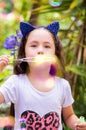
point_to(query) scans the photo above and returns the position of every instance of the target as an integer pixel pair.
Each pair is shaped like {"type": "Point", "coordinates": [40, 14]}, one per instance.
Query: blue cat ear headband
{"type": "Point", "coordinates": [26, 28]}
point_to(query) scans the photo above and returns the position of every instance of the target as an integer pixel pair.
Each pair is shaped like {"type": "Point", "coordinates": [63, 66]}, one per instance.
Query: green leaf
{"type": "Point", "coordinates": [79, 70]}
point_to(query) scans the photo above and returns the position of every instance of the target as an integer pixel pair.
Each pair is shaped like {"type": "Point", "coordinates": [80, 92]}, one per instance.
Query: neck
{"type": "Point", "coordinates": [41, 80]}
{"type": "Point", "coordinates": [41, 71]}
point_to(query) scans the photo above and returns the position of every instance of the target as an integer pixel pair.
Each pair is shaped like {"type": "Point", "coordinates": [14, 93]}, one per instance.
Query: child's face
{"type": "Point", "coordinates": [39, 41]}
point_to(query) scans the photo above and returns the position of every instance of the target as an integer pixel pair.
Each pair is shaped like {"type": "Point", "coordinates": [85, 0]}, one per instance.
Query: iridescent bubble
{"type": "Point", "coordinates": [41, 59]}
{"type": "Point", "coordinates": [55, 3]}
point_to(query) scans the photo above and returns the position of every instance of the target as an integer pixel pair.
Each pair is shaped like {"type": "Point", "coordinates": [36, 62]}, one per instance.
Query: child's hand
{"type": "Point", "coordinates": [4, 61]}
{"type": "Point", "coordinates": [81, 125]}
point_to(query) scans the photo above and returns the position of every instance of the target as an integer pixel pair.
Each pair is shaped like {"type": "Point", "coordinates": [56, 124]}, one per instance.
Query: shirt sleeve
{"type": "Point", "coordinates": [8, 89]}
{"type": "Point", "coordinates": [67, 94]}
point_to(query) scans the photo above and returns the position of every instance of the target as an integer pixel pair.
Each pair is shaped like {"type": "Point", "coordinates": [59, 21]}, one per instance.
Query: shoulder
{"type": "Point", "coordinates": [61, 81]}
{"type": "Point", "coordinates": [65, 91]}
{"type": "Point", "coordinates": [19, 76]}
{"type": "Point", "coordinates": [16, 78]}
{"type": "Point", "coordinates": [63, 84]}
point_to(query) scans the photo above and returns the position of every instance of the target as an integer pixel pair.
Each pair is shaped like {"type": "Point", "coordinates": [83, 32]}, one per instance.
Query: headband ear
{"type": "Point", "coordinates": [53, 27]}
{"type": "Point", "coordinates": [26, 28]}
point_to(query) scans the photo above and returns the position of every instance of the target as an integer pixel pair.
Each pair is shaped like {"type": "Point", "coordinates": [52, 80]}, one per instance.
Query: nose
{"type": "Point", "coordinates": [40, 50]}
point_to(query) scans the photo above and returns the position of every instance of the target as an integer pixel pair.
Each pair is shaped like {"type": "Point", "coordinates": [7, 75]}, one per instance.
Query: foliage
{"type": "Point", "coordinates": [79, 70]}
{"type": "Point", "coordinates": [5, 74]}
{"type": "Point", "coordinates": [80, 97]}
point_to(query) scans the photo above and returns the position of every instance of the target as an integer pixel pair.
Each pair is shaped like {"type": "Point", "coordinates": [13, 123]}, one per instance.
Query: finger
{"type": "Point", "coordinates": [83, 124]}
{"type": "Point", "coordinates": [4, 60]}
{"type": "Point", "coordinates": [81, 127]}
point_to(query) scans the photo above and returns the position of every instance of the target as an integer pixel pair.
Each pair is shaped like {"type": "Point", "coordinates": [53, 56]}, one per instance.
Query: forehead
{"type": "Point", "coordinates": [40, 32]}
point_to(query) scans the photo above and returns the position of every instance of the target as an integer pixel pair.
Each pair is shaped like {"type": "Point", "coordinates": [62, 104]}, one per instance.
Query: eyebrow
{"type": "Point", "coordinates": [33, 42]}
{"type": "Point", "coordinates": [46, 42]}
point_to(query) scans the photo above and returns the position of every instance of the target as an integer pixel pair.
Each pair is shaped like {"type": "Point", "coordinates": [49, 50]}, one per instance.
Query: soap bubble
{"type": "Point", "coordinates": [55, 3]}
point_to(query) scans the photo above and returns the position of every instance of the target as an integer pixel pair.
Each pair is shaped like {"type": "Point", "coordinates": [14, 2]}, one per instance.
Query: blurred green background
{"type": "Point", "coordinates": [72, 17]}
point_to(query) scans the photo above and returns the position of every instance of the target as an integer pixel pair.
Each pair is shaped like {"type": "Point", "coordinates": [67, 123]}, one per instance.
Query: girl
{"type": "Point", "coordinates": [40, 97]}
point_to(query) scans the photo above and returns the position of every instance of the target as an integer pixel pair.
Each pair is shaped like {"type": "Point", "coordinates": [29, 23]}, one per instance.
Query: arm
{"type": "Point", "coordinates": [4, 61]}
{"type": "Point", "coordinates": [1, 98]}
{"type": "Point", "coordinates": [71, 120]}
{"type": "Point", "coordinates": [69, 117]}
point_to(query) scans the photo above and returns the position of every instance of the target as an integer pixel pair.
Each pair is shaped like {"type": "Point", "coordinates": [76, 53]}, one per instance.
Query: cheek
{"type": "Point", "coordinates": [51, 51]}
{"type": "Point", "coordinates": [29, 52]}
{"type": "Point", "coordinates": [26, 52]}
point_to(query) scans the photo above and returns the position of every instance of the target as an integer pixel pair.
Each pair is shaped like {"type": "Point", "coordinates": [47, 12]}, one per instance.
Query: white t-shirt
{"type": "Point", "coordinates": [39, 110]}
